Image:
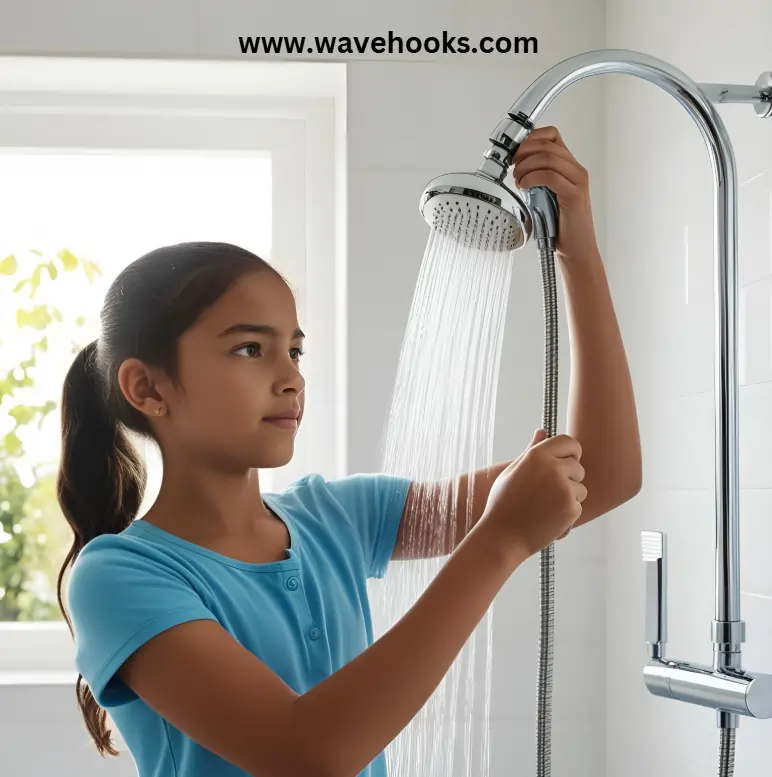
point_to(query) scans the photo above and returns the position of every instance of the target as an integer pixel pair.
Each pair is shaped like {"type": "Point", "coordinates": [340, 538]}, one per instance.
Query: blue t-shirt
{"type": "Point", "coordinates": [305, 616]}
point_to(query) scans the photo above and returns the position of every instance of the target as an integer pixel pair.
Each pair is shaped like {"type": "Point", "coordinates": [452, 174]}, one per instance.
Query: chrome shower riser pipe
{"type": "Point", "coordinates": [728, 628]}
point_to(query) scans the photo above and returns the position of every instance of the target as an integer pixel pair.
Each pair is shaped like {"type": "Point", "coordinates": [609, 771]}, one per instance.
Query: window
{"type": "Point", "coordinates": [105, 160]}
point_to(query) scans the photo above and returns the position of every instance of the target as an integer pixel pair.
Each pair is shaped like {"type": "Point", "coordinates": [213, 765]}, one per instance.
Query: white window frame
{"type": "Point", "coordinates": [295, 111]}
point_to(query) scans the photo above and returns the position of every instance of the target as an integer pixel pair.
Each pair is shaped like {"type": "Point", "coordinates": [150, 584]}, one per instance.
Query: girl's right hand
{"type": "Point", "coordinates": [538, 497]}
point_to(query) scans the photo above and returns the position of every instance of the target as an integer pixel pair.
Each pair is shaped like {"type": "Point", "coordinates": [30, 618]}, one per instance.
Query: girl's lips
{"type": "Point", "coordinates": [283, 423]}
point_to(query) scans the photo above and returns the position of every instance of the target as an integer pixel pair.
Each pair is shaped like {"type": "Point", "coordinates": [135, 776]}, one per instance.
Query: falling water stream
{"type": "Point", "coordinates": [440, 428]}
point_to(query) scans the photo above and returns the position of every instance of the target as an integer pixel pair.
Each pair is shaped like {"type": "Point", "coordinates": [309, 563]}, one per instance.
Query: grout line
{"type": "Point", "coordinates": [765, 279]}
{"type": "Point", "coordinates": [756, 596]}
{"type": "Point", "coordinates": [686, 253]}
{"type": "Point", "coordinates": [753, 178]}
{"type": "Point", "coordinates": [710, 391]}
{"type": "Point", "coordinates": [704, 491]}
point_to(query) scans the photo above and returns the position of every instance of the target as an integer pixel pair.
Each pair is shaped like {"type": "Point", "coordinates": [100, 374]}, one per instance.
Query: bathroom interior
{"type": "Point", "coordinates": [374, 129]}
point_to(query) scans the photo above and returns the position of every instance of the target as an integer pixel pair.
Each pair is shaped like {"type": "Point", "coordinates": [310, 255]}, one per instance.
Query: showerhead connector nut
{"type": "Point", "coordinates": [508, 136]}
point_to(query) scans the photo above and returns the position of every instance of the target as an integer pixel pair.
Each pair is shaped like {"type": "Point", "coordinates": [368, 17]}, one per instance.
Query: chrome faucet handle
{"type": "Point", "coordinates": [654, 551]}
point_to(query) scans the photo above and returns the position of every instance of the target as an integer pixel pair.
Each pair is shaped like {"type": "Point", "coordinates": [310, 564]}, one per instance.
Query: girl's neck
{"type": "Point", "coordinates": [206, 506]}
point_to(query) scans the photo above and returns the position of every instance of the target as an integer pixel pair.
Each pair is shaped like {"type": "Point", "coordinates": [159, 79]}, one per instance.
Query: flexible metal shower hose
{"type": "Point", "coordinates": [726, 752]}
{"type": "Point", "coordinates": [547, 560]}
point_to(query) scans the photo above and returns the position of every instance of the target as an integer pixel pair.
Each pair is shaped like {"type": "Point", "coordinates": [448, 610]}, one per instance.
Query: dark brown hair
{"type": "Point", "coordinates": [101, 478]}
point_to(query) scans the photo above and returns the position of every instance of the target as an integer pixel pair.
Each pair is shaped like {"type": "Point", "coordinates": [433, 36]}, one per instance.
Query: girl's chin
{"type": "Point", "coordinates": [276, 458]}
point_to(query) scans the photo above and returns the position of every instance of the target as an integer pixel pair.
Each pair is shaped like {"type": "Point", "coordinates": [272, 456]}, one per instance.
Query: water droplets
{"type": "Point", "coordinates": [441, 426]}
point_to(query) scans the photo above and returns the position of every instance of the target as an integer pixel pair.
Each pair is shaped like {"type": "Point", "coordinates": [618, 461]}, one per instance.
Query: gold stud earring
{"type": "Point", "coordinates": [159, 410]}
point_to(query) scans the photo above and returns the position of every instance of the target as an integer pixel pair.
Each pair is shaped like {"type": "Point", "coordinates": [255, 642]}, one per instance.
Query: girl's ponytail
{"type": "Point", "coordinates": [100, 485]}
{"type": "Point", "coordinates": [101, 479]}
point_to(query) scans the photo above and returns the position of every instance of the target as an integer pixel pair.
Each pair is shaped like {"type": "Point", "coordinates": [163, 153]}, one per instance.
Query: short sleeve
{"type": "Point", "coordinates": [119, 596]}
{"type": "Point", "coordinates": [374, 504]}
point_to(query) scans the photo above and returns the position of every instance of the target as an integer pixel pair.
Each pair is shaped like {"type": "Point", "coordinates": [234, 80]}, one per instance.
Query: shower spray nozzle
{"type": "Point", "coordinates": [480, 212]}
{"type": "Point", "coordinates": [477, 211]}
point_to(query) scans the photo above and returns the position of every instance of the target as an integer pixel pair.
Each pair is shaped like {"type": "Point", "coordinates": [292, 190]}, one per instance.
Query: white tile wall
{"type": "Point", "coordinates": [667, 175]}
{"type": "Point", "coordinates": [578, 633]}
{"type": "Point", "coordinates": [756, 441]}
{"type": "Point", "coordinates": [755, 332]}
{"type": "Point", "coordinates": [754, 233]}
{"type": "Point", "coordinates": [99, 27]}
{"type": "Point", "coordinates": [513, 749]}
{"type": "Point", "coordinates": [755, 510]}
{"type": "Point", "coordinates": [441, 114]}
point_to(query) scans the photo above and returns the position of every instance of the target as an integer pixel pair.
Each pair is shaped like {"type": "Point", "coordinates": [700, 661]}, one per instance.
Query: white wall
{"type": "Point", "coordinates": [410, 119]}
{"type": "Point", "coordinates": [659, 185]}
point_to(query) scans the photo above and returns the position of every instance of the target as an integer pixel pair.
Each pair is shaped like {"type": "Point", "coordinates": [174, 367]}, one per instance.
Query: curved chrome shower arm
{"type": "Point", "coordinates": [529, 107]}
{"type": "Point", "coordinates": [728, 628]}
{"type": "Point", "coordinates": [546, 87]}
{"type": "Point", "coordinates": [621, 61]}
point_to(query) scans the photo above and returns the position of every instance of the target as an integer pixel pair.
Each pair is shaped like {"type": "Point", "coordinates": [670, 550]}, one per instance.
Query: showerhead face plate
{"type": "Point", "coordinates": [476, 211]}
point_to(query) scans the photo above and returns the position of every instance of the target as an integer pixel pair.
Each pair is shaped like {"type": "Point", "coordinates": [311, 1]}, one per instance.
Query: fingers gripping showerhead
{"type": "Point", "coordinates": [479, 212]}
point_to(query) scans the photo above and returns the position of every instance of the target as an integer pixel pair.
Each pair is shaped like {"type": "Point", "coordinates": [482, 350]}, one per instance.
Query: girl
{"type": "Point", "coordinates": [228, 631]}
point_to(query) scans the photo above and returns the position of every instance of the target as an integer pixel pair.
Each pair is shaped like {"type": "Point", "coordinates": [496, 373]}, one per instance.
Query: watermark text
{"type": "Point", "coordinates": [390, 44]}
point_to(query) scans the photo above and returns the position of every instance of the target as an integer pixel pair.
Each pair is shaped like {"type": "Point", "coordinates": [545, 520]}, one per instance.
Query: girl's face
{"type": "Point", "coordinates": [240, 373]}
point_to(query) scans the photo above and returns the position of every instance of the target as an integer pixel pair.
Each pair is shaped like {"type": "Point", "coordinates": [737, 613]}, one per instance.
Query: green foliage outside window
{"type": "Point", "coordinates": [34, 536]}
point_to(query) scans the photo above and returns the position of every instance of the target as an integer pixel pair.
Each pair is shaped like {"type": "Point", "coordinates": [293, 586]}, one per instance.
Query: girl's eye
{"type": "Point", "coordinates": [254, 347]}
{"type": "Point", "coordinates": [255, 351]}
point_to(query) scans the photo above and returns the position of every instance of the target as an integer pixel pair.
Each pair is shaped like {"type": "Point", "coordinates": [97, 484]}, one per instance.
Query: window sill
{"type": "Point", "coordinates": [35, 650]}
{"type": "Point", "coordinates": [37, 678]}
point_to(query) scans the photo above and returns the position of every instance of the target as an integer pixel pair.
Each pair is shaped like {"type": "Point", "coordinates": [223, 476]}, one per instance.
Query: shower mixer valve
{"type": "Point", "coordinates": [724, 687]}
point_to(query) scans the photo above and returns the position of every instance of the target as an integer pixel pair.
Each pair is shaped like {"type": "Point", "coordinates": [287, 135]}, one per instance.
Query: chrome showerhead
{"type": "Point", "coordinates": [477, 211]}
{"type": "Point", "coordinates": [481, 213]}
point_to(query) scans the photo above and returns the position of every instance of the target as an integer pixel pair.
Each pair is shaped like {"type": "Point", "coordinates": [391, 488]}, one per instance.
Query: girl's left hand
{"type": "Point", "coordinates": [544, 160]}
